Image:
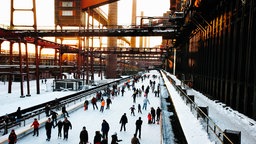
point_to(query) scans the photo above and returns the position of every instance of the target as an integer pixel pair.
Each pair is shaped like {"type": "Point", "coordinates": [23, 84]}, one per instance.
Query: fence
{"type": "Point", "coordinates": [38, 111]}
{"type": "Point", "coordinates": [201, 113]}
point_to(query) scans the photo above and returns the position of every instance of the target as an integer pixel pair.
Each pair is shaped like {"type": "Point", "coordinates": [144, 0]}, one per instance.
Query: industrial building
{"type": "Point", "coordinates": [208, 44]}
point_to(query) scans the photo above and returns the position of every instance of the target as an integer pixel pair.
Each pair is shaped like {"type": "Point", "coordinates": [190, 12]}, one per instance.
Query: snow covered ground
{"type": "Point", "coordinates": [91, 119]}
{"type": "Point", "coordinates": [151, 134]}
{"type": "Point", "coordinates": [225, 117]}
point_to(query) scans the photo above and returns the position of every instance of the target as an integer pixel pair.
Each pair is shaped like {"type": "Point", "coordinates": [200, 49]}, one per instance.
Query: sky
{"type": "Point", "coordinates": [224, 117]}
{"type": "Point", "coordinates": [45, 13]}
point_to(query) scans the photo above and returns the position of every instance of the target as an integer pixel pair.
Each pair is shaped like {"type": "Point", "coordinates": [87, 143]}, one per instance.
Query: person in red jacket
{"type": "Point", "coordinates": [35, 124]}
{"type": "Point", "coordinates": [149, 118]}
{"type": "Point", "coordinates": [12, 139]}
{"type": "Point", "coordinates": [94, 103]}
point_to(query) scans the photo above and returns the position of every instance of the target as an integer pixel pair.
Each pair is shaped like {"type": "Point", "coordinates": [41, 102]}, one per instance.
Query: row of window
{"type": "Point", "coordinates": [67, 12]}
{"type": "Point", "coordinates": [67, 4]}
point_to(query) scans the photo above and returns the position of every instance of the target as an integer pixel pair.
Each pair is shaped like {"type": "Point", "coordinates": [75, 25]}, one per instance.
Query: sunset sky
{"type": "Point", "coordinates": [45, 12]}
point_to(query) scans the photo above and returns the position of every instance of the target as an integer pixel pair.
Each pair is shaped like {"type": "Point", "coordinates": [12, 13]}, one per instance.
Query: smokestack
{"type": "Point", "coordinates": [134, 9]}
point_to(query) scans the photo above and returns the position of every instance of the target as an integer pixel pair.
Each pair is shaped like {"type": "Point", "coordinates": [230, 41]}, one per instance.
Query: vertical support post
{"type": "Point", "coordinates": [55, 56]}
{"type": "Point", "coordinates": [134, 11]}
{"type": "Point", "coordinates": [84, 46]}
{"type": "Point", "coordinates": [100, 59]}
{"type": "Point", "coordinates": [174, 61]}
{"type": "Point", "coordinates": [11, 51]}
{"type": "Point", "coordinates": [111, 59]}
{"type": "Point", "coordinates": [60, 58]}
{"type": "Point", "coordinates": [37, 61]}
{"type": "Point", "coordinates": [84, 68]}
{"type": "Point", "coordinates": [100, 66]}
{"type": "Point", "coordinates": [60, 61]}
{"type": "Point", "coordinates": [27, 70]}
{"type": "Point", "coordinates": [87, 65]}
{"type": "Point", "coordinates": [12, 11]}
{"type": "Point", "coordinates": [21, 71]}
{"type": "Point", "coordinates": [37, 68]}
{"type": "Point", "coordinates": [91, 52]}
{"type": "Point", "coordinates": [11, 70]}
{"type": "Point", "coordinates": [92, 63]}
{"type": "Point", "coordinates": [34, 15]}
{"type": "Point", "coordinates": [79, 58]}
{"type": "Point", "coordinates": [87, 47]}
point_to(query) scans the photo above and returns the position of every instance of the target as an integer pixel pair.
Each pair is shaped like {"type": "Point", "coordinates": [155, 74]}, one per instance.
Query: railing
{"type": "Point", "coordinates": [149, 31]}
{"type": "Point", "coordinates": [130, 49]}
{"type": "Point", "coordinates": [38, 111]}
{"type": "Point", "coordinates": [201, 113]}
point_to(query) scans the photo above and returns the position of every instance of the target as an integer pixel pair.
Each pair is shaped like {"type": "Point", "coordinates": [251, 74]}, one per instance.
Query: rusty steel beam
{"type": "Point", "coordinates": [149, 31]}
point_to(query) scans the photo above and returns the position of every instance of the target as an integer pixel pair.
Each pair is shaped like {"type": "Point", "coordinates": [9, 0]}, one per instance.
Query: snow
{"type": "Point", "coordinates": [91, 119]}
{"type": "Point", "coordinates": [192, 128]}
{"type": "Point", "coordinates": [224, 117]}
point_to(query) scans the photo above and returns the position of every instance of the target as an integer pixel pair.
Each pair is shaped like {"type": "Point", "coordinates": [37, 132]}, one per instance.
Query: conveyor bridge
{"type": "Point", "coordinates": [115, 32]}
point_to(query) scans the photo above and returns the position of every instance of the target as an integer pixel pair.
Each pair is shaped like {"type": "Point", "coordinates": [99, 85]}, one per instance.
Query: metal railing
{"type": "Point", "coordinates": [38, 111]}
{"type": "Point", "coordinates": [214, 131]}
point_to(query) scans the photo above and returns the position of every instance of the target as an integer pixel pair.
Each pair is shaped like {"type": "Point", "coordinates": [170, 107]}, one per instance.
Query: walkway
{"type": "Point", "coordinates": [92, 119]}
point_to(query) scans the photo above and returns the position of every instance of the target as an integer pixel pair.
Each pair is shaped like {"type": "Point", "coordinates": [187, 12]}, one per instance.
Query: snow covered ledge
{"type": "Point", "coordinates": [193, 130]}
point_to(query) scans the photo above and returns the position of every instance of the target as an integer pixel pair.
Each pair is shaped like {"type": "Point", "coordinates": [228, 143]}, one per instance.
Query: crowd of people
{"type": "Point", "coordinates": [101, 137]}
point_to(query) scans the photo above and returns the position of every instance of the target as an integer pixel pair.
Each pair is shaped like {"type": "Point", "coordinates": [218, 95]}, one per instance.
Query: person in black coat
{"type": "Point", "coordinates": [18, 115]}
{"type": "Point", "coordinates": [108, 102]}
{"type": "Point", "coordinates": [83, 136]}
{"type": "Point", "coordinates": [66, 126]}
{"type": "Point", "coordinates": [105, 129]}
{"type": "Point", "coordinates": [86, 103]}
{"type": "Point", "coordinates": [123, 121]}
{"type": "Point", "coordinates": [12, 137]}
{"type": "Point", "coordinates": [153, 114]}
{"type": "Point", "coordinates": [122, 91]}
{"type": "Point", "coordinates": [60, 125]}
{"type": "Point", "coordinates": [64, 111]}
{"type": "Point", "coordinates": [97, 138]}
{"type": "Point", "coordinates": [115, 139]}
{"type": "Point", "coordinates": [6, 121]}
{"type": "Point", "coordinates": [139, 109]}
{"type": "Point", "coordinates": [54, 117]}
{"type": "Point", "coordinates": [47, 110]}
{"type": "Point", "coordinates": [138, 124]}
{"type": "Point", "coordinates": [158, 113]}
{"type": "Point", "coordinates": [48, 128]}
{"type": "Point", "coordinates": [132, 110]}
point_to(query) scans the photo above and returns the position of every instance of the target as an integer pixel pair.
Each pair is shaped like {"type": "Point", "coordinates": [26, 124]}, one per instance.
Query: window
{"type": "Point", "coordinates": [67, 13]}
{"type": "Point", "coordinates": [67, 4]}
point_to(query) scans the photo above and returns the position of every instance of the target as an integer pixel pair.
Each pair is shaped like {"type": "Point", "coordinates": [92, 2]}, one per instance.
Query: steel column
{"type": "Point", "coordinates": [10, 75]}
{"type": "Point", "coordinates": [27, 70]}
{"type": "Point", "coordinates": [37, 68]}
{"type": "Point", "coordinates": [21, 71]}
